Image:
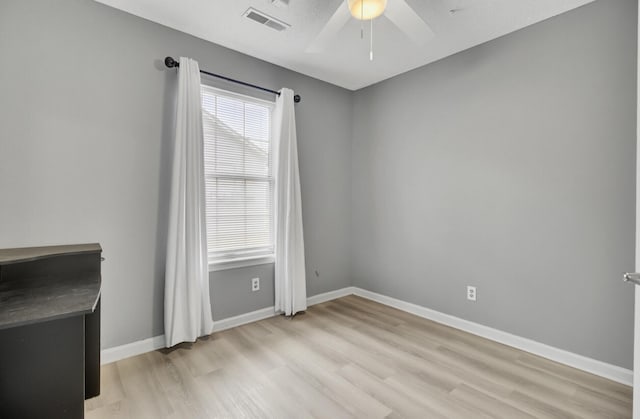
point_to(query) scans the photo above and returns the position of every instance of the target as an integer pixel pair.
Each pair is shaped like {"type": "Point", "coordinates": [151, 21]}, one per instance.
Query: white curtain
{"type": "Point", "coordinates": [187, 308]}
{"type": "Point", "coordinates": [290, 281]}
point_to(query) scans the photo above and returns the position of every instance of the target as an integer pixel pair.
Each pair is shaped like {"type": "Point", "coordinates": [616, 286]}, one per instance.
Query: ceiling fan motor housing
{"type": "Point", "coordinates": [366, 9]}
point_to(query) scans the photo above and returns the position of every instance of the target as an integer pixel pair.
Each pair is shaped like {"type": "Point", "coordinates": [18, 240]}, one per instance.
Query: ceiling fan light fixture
{"type": "Point", "coordinates": [366, 9]}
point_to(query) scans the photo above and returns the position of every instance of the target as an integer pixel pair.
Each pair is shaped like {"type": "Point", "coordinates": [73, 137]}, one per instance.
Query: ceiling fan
{"type": "Point", "coordinates": [397, 11]}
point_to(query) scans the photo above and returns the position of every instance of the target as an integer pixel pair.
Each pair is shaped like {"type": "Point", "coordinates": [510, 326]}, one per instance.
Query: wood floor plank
{"type": "Point", "coordinates": [397, 400]}
{"type": "Point", "coordinates": [539, 408]}
{"type": "Point", "coordinates": [622, 393]}
{"type": "Point", "coordinates": [320, 372]}
{"type": "Point", "coordinates": [491, 406]}
{"type": "Point", "coordinates": [601, 403]}
{"type": "Point", "coordinates": [112, 391]}
{"type": "Point", "coordinates": [436, 398]}
{"type": "Point", "coordinates": [351, 358]}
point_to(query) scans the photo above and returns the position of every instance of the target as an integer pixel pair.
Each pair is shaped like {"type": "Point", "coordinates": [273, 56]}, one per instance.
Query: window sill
{"type": "Point", "coordinates": [240, 263]}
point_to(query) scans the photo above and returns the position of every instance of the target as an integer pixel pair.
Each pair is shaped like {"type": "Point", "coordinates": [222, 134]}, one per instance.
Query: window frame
{"type": "Point", "coordinates": [262, 258]}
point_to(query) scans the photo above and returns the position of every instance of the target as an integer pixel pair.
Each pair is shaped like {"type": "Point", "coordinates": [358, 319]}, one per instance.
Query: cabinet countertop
{"type": "Point", "coordinates": [44, 298]}
{"type": "Point", "coordinates": [27, 254]}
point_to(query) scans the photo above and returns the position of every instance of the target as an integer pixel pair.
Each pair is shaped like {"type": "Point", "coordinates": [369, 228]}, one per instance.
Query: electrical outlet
{"type": "Point", "coordinates": [255, 284]}
{"type": "Point", "coordinates": [471, 293]}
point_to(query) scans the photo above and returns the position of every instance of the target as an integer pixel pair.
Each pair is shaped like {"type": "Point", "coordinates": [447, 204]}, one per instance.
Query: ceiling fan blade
{"type": "Point", "coordinates": [407, 20]}
{"type": "Point", "coordinates": [340, 18]}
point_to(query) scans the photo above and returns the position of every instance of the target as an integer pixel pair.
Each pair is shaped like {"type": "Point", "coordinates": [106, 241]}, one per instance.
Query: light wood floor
{"type": "Point", "coordinates": [351, 358]}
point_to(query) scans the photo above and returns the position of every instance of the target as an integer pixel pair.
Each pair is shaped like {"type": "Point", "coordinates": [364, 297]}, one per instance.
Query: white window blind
{"type": "Point", "coordinates": [238, 175]}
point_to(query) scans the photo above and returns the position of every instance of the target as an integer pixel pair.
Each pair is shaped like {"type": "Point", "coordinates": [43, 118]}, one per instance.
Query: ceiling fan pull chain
{"type": "Point", "coordinates": [371, 43]}
{"type": "Point", "coordinates": [362, 19]}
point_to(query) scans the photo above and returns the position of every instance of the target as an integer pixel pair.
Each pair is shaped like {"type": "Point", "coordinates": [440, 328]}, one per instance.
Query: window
{"type": "Point", "coordinates": [238, 176]}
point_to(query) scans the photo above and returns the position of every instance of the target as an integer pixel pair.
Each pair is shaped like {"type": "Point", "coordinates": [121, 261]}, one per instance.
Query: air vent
{"type": "Point", "coordinates": [265, 19]}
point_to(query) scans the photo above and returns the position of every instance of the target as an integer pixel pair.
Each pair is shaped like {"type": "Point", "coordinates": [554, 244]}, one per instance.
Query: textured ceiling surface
{"type": "Point", "coordinates": [344, 61]}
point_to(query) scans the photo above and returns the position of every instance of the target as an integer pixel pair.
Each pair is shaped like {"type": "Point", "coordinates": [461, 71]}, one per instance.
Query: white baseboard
{"type": "Point", "coordinates": [246, 318]}
{"type": "Point", "coordinates": [157, 342]}
{"type": "Point", "coordinates": [331, 295]}
{"type": "Point", "coordinates": [602, 369]}
{"type": "Point", "coordinates": [140, 347]}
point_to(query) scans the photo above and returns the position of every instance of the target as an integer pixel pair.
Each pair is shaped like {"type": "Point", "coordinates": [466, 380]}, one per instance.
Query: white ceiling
{"type": "Point", "coordinates": [345, 61]}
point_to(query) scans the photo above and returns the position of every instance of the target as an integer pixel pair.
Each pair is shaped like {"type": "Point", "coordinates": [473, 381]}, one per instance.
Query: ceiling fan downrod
{"type": "Point", "coordinates": [371, 43]}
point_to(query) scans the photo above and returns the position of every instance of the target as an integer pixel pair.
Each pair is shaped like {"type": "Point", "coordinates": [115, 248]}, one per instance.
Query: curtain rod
{"type": "Point", "coordinates": [171, 63]}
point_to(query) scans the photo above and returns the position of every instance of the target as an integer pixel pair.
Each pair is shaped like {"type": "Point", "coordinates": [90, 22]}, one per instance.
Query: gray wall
{"type": "Point", "coordinates": [86, 111]}
{"type": "Point", "coordinates": [510, 167]}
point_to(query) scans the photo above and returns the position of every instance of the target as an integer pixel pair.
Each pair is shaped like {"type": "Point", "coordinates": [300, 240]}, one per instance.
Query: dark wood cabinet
{"type": "Point", "coordinates": [49, 330]}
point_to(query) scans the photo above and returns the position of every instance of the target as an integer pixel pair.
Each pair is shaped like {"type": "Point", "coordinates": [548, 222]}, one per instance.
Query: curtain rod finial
{"type": "Point", "coordinates": [170, 62]}
{"type": "Point", "coordinates": [297, 98]}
